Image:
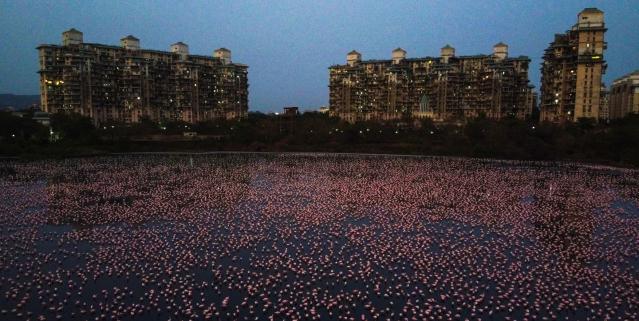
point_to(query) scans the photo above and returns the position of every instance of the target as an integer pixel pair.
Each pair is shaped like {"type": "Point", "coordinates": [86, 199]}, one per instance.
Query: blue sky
{"type": "Point", "coordinates": [289, 45]}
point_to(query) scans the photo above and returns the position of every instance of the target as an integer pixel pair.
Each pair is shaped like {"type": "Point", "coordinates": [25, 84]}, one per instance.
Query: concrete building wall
{"type": "Point", "coordinates": [624, 96]}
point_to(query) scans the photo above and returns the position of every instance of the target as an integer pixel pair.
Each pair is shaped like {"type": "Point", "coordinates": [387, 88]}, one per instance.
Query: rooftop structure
{"type": "Point", "coordinates": [291, 111]}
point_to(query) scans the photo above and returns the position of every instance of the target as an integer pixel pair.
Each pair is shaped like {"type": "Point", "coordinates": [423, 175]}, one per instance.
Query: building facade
{"type": "Point", "coordinates": [604, 110]}
{"type": "Point", "coordinates": [442, 88]}
{"type": "Point", "coordinates": [572, 68]}
{"type": "Point", "coordinates": [624, 96]}
{"type": "Point", "coordinates": [125, 83]}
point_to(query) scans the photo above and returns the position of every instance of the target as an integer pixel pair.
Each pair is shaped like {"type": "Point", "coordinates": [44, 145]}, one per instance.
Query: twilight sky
{"type": "Point", "coordinates": [289, 45]}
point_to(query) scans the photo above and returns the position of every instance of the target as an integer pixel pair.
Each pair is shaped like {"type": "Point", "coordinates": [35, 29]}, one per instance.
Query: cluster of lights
{"type": "Point", "coordinates": [57, 82]}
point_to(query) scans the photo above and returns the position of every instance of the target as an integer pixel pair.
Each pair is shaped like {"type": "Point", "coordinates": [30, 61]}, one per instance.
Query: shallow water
{"type": "Point", "coordinates": [246, 237]}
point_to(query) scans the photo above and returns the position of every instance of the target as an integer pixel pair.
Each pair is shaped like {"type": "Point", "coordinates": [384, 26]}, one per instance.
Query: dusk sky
{"type": "Point", "coordinates": [289, 45]}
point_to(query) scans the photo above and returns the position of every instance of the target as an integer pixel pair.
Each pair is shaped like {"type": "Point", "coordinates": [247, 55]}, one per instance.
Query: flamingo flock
{"type": "Point", "coordinates": [317, 237]}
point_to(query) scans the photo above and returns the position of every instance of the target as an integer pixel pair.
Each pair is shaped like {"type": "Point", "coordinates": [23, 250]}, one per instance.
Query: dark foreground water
{"type": "Point", "coordinates": [247, 237]}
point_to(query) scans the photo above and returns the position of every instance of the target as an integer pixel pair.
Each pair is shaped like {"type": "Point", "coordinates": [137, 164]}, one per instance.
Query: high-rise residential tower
{"type": "Point", "coordinates": [572, 70]}
{"type": "Point", "coordinates": [443, 88]}
{"type": "Point", "coordinates": [126, 83]}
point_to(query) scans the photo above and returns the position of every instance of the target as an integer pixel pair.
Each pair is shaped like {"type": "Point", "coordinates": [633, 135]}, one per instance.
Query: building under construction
{"type": "Point", "coordinates": [125, 83]}
{"type": "Point", "coordinates": [572, 69]}
{"type": "Point", "coordinates": [444, 88]}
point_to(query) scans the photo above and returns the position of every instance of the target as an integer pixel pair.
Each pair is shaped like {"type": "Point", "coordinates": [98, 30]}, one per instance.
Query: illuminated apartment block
{"type": "Point", "coordinates": [126, 83]}
{"type": "Point", "coordinates": [572, 69]}
{"type": "Point", "coordinates": [444, 88]}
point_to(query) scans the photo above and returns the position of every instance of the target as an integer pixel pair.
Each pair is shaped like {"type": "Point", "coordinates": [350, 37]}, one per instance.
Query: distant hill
{"type": "Point", "coordinates": [18, 101]}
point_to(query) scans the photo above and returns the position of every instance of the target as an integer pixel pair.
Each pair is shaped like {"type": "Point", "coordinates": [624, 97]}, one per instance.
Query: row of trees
{"type": "Point", "coordinates": [614, 143]}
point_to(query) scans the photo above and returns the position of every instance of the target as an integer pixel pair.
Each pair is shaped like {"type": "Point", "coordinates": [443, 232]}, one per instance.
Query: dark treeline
{"type": "Point", "coordinates": [72, 135]}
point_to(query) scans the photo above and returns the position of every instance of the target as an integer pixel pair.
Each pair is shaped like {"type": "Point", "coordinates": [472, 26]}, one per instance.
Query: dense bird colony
{"type": "Point", "coordinates": [247, 237]}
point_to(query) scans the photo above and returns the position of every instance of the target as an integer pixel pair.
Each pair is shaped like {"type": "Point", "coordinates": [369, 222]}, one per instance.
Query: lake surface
{"type": "Point", "coordinates": [316, 237]}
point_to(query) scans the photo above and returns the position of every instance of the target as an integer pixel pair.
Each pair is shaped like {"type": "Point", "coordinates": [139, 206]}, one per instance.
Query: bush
{"type": "Point", "coordinates": [584, 140]}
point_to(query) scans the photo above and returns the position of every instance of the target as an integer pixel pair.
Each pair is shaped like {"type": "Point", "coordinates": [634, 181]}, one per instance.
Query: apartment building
{"type": "Point", "coordinates": [572, 69]}
{"type": "Point", "coordinates": [125, 83]}
{"type": "Point", "coordinates": [444, 88]}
